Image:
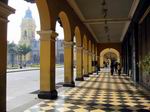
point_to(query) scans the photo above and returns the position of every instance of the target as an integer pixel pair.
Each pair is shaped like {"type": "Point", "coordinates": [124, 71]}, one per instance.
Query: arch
{"type": "Point", "coordinates": [66, 26]}
{"type": "Point", "coordinates": [107, 50]}
{"type": "Point", "coordinates": [78, 37]}
{"type": "Point", "coordinates": [44, 14]}
{"type": "Point", "coordinates": [85, 42]}
{"type": "Point", "coordinates": [96, 50]}
{"type": "Point", "coordinates": [93, 48]}
{"type": "Point", "coordinates": [90, 45]}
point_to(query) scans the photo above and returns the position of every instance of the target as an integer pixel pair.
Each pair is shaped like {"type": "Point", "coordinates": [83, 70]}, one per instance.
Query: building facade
{"type": "Point", "coordinates": [59, 46]}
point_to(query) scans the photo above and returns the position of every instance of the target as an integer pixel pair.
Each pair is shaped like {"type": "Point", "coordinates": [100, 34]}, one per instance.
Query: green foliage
{"type": "Point", "coordinates": [146, 64]}
{"type": "Point", "coordinates": [12, 48]}
{"type": "Point", "coordinates": [23, 49]}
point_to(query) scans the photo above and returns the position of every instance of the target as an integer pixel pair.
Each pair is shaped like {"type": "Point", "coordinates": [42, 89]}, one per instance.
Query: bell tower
{"type": "Point", "coordinates": [27, 28]}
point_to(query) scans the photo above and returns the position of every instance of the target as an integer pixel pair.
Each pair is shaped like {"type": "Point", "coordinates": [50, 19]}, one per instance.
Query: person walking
{"type": "Point", "coordinates": [97, 69]}
{"type": "Point", "coordinates": [116, 67]}
{"type": "Point", "coordinates": [112, 67]}
{"type": "Point", "coordinates": [119, 69]}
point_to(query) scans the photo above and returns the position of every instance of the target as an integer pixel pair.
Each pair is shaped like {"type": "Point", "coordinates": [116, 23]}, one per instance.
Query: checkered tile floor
{"type": "Point", "coordinates": [103, 93]}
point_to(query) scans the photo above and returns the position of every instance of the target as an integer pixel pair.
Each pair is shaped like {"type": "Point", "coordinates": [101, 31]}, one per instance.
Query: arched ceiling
{"type": "Point", "coordinates": [119, 15]}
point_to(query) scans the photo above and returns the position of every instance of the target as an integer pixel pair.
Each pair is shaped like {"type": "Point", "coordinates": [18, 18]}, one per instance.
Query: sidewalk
{"type": "Point", "coordinates": [26, 69]}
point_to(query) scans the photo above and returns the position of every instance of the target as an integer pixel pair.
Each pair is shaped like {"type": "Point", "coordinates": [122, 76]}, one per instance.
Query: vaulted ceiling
{"type": "Point", "coordinates": [107, 20]}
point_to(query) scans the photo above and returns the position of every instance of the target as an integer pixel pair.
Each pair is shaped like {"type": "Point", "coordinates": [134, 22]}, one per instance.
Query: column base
{"type": "Point", "coordinates": [90, 73]}
{"type": "Point", "coordinates": [3, 92]}
{"type": "Point", "coordinates": [86, 75]}
{"type": "Point", "coordinates": [79, 79]}
{"type": "Point", "coordinates": [94, 71]}
{"type": "Point", "coordinates": [72, 84]}
{"type": "Point", "coordinates": [47, 95]}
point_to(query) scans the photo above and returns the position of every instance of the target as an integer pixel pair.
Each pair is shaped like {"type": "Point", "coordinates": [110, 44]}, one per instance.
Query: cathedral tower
{"type": "Point", "coordinates": [28, 38]}
{"type": "Point", "coordinates": [27, 29]}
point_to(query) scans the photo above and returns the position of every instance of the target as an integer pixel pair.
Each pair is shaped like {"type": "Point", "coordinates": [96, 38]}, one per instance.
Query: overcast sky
{"type": "Point", "coordinates": [15, 20]}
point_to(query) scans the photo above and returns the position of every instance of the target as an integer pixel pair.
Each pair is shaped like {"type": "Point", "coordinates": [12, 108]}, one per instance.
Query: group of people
{"type": "Point", "coordinates": [115, 67]}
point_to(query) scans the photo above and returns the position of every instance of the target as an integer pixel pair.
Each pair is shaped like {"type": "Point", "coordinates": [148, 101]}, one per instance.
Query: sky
{"type": "Point", "coordinates": [14, 30]}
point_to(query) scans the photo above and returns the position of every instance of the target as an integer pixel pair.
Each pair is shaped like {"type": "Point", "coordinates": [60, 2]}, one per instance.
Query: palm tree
{"type": "Point", "coordinates": [12, 50]}
{"type": "Point", "coordinates": [23, 50]}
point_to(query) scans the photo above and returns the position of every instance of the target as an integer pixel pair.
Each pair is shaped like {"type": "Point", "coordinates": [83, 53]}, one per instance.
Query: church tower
{"type": "Point", "coordinates": [27, 29]}
{"type": "Point", "coordinates": [28, 38]}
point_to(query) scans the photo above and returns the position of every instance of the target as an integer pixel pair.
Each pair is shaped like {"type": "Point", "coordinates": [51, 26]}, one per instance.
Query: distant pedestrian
{"type": "Point", "coordinates": [116, 67]}
{"type": "Point", "coordinates": [97, 69]}
{"type": "Point", "coordinates": [119, 69]}
{"type": "Point", "coordinates": [112, 67]}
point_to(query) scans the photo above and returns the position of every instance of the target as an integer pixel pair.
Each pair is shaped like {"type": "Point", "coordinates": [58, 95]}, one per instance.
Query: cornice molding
{"type": "Point", "coordinates": [47, 35]}
{"type": "Point", "coordinates": [5, 10]}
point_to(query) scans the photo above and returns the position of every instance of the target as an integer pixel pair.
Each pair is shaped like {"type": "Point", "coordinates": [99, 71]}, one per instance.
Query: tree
{"type": "Point", "coordinates": [23, 50]}
{"type": "Point", "coordinates": [12, 50]}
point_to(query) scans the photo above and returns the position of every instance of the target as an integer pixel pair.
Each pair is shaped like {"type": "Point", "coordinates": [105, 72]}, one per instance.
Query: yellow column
{"type": "Point", "coordinates": [47, 65]}
{"type": "Point", "coordinates": [79, 71]}
{"type": "Point", "coordinates": [93, 67]}
{"type": "Point", "coordinates": [85, 59]}
{"type": "Point", "coordinates": [90, 62]}
{"type": "Point", "coordinates": [5, 11]}
{"type": "Point", "coordinates": [68, 65]}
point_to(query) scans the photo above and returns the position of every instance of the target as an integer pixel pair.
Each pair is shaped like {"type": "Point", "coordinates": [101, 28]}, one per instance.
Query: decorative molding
{"type": "Point", "coordinates": [89, 52]}
{"type": "Point", "coordinates": [85, 51]}
{"type": "Point", "coordinates": [4, 19]}
{"type": "Point", "coordinates": [79, 48]}
{"type": "Point", "coordinates": [68, 44]}
{"type": "Point", "coordinates": [5, 10]}
{"type": "Point", "coordinates": [47, 35]}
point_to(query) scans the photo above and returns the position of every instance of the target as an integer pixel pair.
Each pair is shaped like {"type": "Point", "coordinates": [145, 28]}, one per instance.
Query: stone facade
{"type": "Point", "coordinates": [59, 46]}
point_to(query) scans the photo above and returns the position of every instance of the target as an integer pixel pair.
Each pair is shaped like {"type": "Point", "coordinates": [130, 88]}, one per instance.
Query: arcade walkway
{"type": "Point", "coordinates": [99, 94]}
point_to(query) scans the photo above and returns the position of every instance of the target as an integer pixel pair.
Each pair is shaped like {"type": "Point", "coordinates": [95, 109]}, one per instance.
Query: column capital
{"type": "Point", "coordinates": [97, 56]}
{"type": "Point", "coordinates": [5, 11]}
{"type": "Point", "coordinates": [47, 35]}
{"type": "Point", "coordinates": [68, 44]}
{"type": "Point", "coordinates": [89, 52]}
{"type": "Point", "coordinates": [79, 47]}
{"type": "Point", "coordinates": [85, 51]}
